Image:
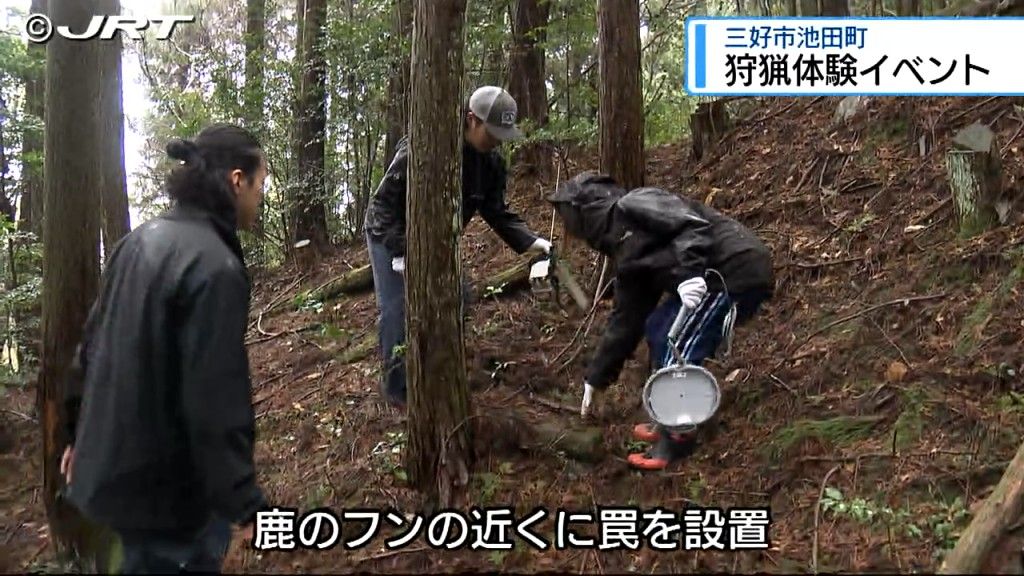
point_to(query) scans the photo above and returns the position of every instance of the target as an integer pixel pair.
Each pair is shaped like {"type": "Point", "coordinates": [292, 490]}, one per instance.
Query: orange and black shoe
{"type": "Point", "coordinates": [648, 432]}
{"type": "Point", "coordinates": [669, 448]}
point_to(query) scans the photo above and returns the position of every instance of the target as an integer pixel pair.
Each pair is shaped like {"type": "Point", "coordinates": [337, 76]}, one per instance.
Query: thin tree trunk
{"type": "Point", "coordinates": [527, 71]}
{"type": "Point", "coordinates": [398, 84]}
{"type": "Point", "coordinates": [116, 216]}
{"type": "Point", "coordinates": [254, 95]}
{"type": "Point", "coordinates": [71, 235]}
{"type": "Point", "coordinates": [32, 196]}
{"type": "Point", "coordinates": [809, 8]}
{"type": "Point", "coordinates": [621, 97]}
{"type": "Point", "coordinates": [835, 8]}
{"type": "Point", "coordinates": [309, 212]}
{"type": "Point", "coordinates": [439, 455]}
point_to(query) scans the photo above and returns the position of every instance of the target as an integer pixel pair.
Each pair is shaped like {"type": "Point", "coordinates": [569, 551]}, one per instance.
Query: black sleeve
{"type": "Point", "coordinates": [634, 302]}
{"type": "Point", "coordinates": [74, 386]}
{"type": "Point", "coordinates": [217, 394]}
{"type": "Point", "coordinates": [505, 223]}
{"type": "Point", "coordinates": [693, 246]}
{"type": "Point", "coordinates": [390, 208]}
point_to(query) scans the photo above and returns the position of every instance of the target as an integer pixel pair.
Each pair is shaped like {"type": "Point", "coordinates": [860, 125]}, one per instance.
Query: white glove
{"type": "Point", "coordinates": [540, 245]}
{"type": "Point", "coordinates": [398, 264]}
{"type": "Point", "coordinates": [588, 394]}
{"type": "Point", "coordinates": [691, 292]}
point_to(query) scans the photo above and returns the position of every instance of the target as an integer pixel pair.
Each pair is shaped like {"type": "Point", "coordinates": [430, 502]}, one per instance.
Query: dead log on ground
{"type": "Point", "coordinates": [1000, 510]}
{"type": "Point", "coordinates": [360, 281]}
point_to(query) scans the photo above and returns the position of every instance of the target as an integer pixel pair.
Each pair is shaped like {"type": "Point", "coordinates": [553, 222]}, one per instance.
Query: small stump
{"type": "Point", "coordinates": [975, 178]}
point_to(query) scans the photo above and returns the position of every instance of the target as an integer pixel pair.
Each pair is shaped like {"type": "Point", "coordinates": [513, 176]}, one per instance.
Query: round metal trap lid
{"type": "Point", "coordinates": [681, 396]}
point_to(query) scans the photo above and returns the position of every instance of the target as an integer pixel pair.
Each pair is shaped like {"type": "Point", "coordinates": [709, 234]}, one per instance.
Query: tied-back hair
{"type": "Point", "coordinates": [203, 178]}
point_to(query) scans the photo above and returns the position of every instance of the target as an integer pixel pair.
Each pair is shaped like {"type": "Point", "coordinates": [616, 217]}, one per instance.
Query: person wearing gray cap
{"type": "Point", "coordinates": [490, 120]}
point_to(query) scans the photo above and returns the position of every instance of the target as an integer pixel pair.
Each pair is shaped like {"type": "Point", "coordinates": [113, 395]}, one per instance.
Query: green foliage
{"type": "Point", "coordinates": [837, 431]}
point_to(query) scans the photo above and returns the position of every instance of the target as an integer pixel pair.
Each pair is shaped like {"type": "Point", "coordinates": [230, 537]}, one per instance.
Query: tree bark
{"type": "Point", "coordinates": [909, 8]}
{"type": "Point", "coordinates": [440, 446]}
{"type": "Point", "coordinates": [835, 8]}
{"type": "Point", "coordinates": [32, 196]}
{"type": "Point", "coordinates": [527, 75]}
{"type": "Point", "coordinates": [398, 84]}
{"type": "Point", "coordinates": [621, 99]}
{"type": "Point", "coordinates": [254, 96]}
{"type": "Point", "coordinates": [73, 177]}
{"type": "Point", "coordinates": [116, 217]}
{"type": "Point", "coordinates": [975, 178]}
{"type": "Point", "coordinates": [1001, 509]}
{"type": "Point", "coordinates": [309, 213]}
{"type": "Point", "coordinates": [809, 8]}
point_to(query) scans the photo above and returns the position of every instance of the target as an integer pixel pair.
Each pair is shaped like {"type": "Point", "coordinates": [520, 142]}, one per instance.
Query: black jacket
{"type": "Point", "coordinates": [483, 190]}
{"type": "Point", "coordinates": [159, 400]}
{"type": "Point", "coordinates": [656, 240]}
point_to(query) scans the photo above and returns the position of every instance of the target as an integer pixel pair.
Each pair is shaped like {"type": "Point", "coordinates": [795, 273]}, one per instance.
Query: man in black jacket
{"type": "Point", "coordinates": [662, 243]}
{"type": "Point", "coordinates": [159, 403]}
{"type": "Point", "coordinates": [490, 120]}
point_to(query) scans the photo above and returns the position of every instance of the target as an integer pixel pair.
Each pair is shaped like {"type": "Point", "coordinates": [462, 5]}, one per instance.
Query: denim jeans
{"type": "Point", "coordinates": [157, 554]}
{"type": "Point", "coordinates": [702, 330]}
{"type": "Point", "coordinates": [389, 288]}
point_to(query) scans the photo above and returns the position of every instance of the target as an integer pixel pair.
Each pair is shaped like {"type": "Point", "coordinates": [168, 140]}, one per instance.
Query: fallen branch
{"type": "Point", "coordinates": [817, 512]}
{"type": "Point", "coordinates": [999, 511]}
{"type": "Point", "coordinates": [391, 553]}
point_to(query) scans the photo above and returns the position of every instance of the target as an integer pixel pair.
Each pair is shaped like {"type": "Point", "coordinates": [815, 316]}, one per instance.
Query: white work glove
{"type": "Point", "coordinates": [588, 396]}
{"type": "Point", "coordinates": [691, 291]}
{"type": "Point", "coordinates": [398, 264]}
{"type": "Point", "coordinates": [540, 245]}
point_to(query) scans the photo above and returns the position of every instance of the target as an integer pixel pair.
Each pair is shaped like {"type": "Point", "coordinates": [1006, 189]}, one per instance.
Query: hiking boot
{"type": "Point", "coordinates": [648, 432]}
{"type": "Point", "coordinates": [670, 448]}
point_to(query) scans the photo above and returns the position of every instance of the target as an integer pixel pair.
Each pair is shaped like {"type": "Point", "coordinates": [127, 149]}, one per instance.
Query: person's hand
{"type": "Point", "coordinates": [541, 245]}
{"type": "Point", "coordinates": [67, 462]}
{"type": "Point", "coordinates": [691, 291]}
{"type": "Point", "coordinates": [588, 397]}
{"type": "Point", "coordinates": [398, 264]}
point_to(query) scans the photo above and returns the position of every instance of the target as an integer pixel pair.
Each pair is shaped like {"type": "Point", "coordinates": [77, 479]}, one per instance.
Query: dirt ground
{"type": "Point", "coordinates": [883, 382]}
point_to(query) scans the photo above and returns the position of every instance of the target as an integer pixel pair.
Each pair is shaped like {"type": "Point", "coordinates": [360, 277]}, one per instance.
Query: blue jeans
{"type": "Point", "coordinates": [389, 287]}
{"type": "Point", "coordinates": [702, 330]}
{"type": "Point", "coordinates": [159, 554]}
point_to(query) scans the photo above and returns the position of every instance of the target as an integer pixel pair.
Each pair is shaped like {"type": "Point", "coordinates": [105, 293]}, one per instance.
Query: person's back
{"type": "Point", "coordinates": [159, 403]}
{"type": "Point", "coordinates": [147, 317]}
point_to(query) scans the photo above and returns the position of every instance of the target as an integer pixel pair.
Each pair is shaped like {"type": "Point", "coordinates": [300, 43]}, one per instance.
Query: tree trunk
{"type": "Point", "coordinates": [975, 178]}
{"type": "Point", "coordinates": [706, 123]}
{"type": "Point", "coordinates": [440, 444]}
{"type": "Point", "coordinates": [809, 8]}
{"type": "Point", "coordinates": [309, 213]}
{"type": "Point", "coordinates": [999, 511]}
{"type": "Point", "coordinates": [398, 84]}
{"type": "Point", "coordinates": [909, 8]}
{"type": "Point", "coordinates": [527, 75]}
{"type": "Point", "coordinates": [254, 95]}
{"type": "Point", "coordinates": [116, 217]}
{"type": "Point", "coordinates": [621, 99]}
{"type": "Point", "coordinates": [73, 177]}
{"type": "Point", "coordinates": [835, 8]}
{"type": "Point", "coordinates": [32, 196]}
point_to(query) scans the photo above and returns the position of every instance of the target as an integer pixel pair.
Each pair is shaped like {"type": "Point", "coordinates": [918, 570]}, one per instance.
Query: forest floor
{"type": "Point", "coordinates": [898, 419]}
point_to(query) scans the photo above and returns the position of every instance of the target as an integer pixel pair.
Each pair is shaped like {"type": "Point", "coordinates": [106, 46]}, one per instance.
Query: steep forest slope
{"type": "Point", "coordinates": [883, 382]}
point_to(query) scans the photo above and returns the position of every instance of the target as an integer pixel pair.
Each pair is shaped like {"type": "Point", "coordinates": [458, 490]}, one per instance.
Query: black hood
{"type": "Point", "coordinates": [587, 206]}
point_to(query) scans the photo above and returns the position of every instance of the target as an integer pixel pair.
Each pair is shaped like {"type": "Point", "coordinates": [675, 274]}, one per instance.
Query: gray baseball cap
{"type": "Point", "coordinates": [498, 110]}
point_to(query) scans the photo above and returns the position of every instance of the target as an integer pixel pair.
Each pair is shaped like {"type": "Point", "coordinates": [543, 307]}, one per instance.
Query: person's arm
{"type": "Point", "coordinates": [390, 199]}
{"type": "Point", "coordinates": [217, 394]}
{"type": "Point", "coordinates": [634, 302]}
{"type": "Point", "coordinates": [505, 223]}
